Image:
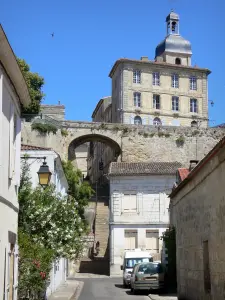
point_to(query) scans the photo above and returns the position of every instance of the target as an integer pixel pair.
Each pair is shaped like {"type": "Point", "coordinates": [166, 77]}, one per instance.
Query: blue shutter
{"type": "Point", "coordinates": [131, 119]}
{"type": "Point", "coordinates": [150, 121]}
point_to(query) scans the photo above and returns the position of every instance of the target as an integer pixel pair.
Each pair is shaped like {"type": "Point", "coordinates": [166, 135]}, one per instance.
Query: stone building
{"type": "Point", "coordinates": [166, 91]}
{"type": "Point", "coordinates": [138, 207]}
{"type": "Point", "coordinates": [13, 93]}
{"type": "Point", "coordinates": [197, 211]}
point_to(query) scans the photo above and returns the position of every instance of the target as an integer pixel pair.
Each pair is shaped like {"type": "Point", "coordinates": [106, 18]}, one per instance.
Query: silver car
{"type": "Point", "coordinates": [147, 276]}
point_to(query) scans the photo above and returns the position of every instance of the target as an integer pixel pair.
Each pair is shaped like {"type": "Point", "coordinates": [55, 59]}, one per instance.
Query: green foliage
{"type": "Point", "coordinates": [169, 238]}
{"type": "Point", "coordinates": [103, 126]}
{"type": "Point", "coordinates": [35, 84]}
{"type": "Point", "coordinates": [167, 134]}
{"type": "Point", "coordinates": [79, 189]}
{"type": "Point", "coordinates": [145, 134]}
{"type": "Point", "coordinates": [160, 134]}
{"type": "Point", "coordinates": [50, 227]}
{"type": "Point", "coordinates": [64, 132]}
{"type": "Point", "coordinates": [180, 141]}
{"type": "Point", "coordinates": [116, 128]}
{"type": "Point", "coordinates": [34, 267]}
{"type": "Point", "coordinates": [44, 128]}
{"type": "Point", "coordinates": [195, 132]}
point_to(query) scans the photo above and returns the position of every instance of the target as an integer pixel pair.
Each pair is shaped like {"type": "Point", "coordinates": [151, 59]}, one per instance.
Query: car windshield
{"type": "Point", "coordinates": [150, 268]}
{"type": "Point", "coordinates": [131, 262]}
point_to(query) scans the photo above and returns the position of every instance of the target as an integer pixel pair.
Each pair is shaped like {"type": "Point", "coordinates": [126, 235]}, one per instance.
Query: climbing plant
{"type": "Point", "coordinates": [44, 128]}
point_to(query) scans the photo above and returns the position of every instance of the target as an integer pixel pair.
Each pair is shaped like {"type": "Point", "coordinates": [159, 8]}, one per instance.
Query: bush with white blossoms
{"type": "Point", "coordinates": [51, 226]}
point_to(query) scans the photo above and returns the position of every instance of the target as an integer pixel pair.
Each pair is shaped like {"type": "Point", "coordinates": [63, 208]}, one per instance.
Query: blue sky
{"type": "Point", "coordinates": [91, 35]}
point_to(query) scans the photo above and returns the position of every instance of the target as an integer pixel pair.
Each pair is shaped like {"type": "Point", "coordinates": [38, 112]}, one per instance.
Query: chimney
{"type": "Point", "coordinates": [144, 58]}
{"type": "Point", "coordinates": [193, 164]}
{"type": "Point", "coordinates": [59, 102]}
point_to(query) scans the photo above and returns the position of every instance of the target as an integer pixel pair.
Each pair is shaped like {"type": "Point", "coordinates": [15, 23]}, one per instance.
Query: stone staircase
{"type": "Point", "coordinates": [102, 227]}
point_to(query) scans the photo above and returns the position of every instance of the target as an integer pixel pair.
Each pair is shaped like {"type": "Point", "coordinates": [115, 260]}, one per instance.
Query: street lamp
{"type": "Point", "coordinates": [44, 174]}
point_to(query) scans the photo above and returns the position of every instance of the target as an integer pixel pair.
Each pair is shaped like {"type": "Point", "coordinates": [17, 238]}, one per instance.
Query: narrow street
{"type": "Point", "coordinates": [107, 289]}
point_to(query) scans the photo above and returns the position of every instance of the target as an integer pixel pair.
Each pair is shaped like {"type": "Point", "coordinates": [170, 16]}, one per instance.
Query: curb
{"type": "Point", "coordinates": [78, 291]}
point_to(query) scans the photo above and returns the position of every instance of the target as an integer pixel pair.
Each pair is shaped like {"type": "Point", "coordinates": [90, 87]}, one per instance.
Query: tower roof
{"type": "Point", "coordinates": [175, 44]}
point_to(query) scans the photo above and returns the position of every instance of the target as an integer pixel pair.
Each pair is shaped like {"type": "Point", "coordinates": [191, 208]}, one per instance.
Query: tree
{"type": "Point", "coordinates": [79, 189]}
{"type": "Point", "coordinates": [35, 83]}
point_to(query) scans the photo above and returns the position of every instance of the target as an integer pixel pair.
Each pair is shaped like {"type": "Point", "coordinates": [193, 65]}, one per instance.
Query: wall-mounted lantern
{"type": "Point", "coordinates": [44, 174]}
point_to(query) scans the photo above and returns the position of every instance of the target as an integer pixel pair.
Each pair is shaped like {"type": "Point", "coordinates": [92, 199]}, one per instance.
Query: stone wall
{"type": "Point", "coordinates": [138, 144]}
{"type": "Point", "coordinates": [197, 212]}
{"type": "Point", "coordinates": [54, 111]}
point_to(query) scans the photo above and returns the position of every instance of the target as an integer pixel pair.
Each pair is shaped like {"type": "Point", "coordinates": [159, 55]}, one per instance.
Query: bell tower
{"type": "Point", "coordinates": [174, 49]}
{"type": "Point", "coordinates": [172, 22]}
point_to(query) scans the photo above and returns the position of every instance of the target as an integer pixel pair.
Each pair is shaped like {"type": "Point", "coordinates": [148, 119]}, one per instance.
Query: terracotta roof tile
{"type": "Point", "coordinates": [139, 168]}
{"type": "Point", "coordinates": [30, 147]}
{"type": "Point", "coordinates": [183, 173]}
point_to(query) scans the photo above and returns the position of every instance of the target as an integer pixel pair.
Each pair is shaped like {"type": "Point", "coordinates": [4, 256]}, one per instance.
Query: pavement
{"type": "Point", "coordinates": [163, 297]}
{"type": "Point", "coordinates": [92, 287]}
{"type": "Point", "coordinates": [70, 290]}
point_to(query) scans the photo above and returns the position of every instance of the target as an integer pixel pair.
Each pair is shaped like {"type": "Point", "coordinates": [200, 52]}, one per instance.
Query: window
{"type": "Point", "coordinates": [156, 101]}
{"type": "Point", "coordinates": [178, 61]}
{"type": "Point", "coordinates": [152, 241]}
{"type": "Point", "coordinates": [129, 203]}
{"type": "Point", "coordinates": [155, 78]}
{"type": "Point", "coordinates": [194, 124]}
{"type": "Point", "coordinates": [193, 83]}
{"type": "Point", "coordinates": [130, 239]}
{"type": "Point", "coordinates": [137, 120]}
{"type": "Point", "coordinates": [137, 99]}
{"type": "Point", "coordinates": [207, 278]}
{"type": "Point", "coordinates": [175, 81]}
{"type": "Point", "coordinates": [175, 103]}
{"type": "Point", "coordinates": [157, 121]}
{"type": "Point", "coordinates": [136, 76]}
{"type": "Point", "coordinates": [193, 105]}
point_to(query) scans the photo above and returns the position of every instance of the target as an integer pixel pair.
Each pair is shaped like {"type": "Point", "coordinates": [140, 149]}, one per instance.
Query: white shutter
{"type": "Point", "coordinates": [131, 119]}
{"type": "Point", "coordinates": [17, 154]}
{"type": "Point", "coordinates": [152, 241]}
{"type": "Point", "coordinates": [130, 239]}
{"type": "Point", "coordinates": [7, 271]}
{"type": "Point", "coordinates": [15, 284]}
{"type": "Point", "coordinates": [144, 121]}
{"type": "Point", "coordinates": [163, 122]}
{"type": "Point", "coordinates": [150, 121]}
{"type": "Point", "coordinates": [11, 127]}
{"type": "Point", "coordinates": [139, 202]}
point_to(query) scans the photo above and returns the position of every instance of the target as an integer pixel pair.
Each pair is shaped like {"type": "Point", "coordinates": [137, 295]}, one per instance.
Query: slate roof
{"type": "Point", "coordinates": [30, 147]}
{"type": "Point", "coordinates": [146, 168]}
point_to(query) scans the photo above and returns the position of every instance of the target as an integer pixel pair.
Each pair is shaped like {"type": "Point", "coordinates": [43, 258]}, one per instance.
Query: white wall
{"type": "Point", "coordinates": [151, 214]}
{"type": "Point", "coordinates": [10, 137]}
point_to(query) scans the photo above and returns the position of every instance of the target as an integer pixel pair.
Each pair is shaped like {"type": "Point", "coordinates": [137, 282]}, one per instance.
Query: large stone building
{"type": "Point", "coordinates": [167, 91]}
{"type": "Point", "coordinates": [13, 93]}
{"type": "Point", "coordinates": [197, 211]}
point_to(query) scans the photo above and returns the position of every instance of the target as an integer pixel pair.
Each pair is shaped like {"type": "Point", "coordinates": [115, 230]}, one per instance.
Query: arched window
{"type": "Point", "coordinates": [178, 61]}
{"type": "Point", "coordinates": [137, 120]}
{"type": "Point", "coordinates": [194, 124]}
{"type": "Point", "coordinates": [157, 121]}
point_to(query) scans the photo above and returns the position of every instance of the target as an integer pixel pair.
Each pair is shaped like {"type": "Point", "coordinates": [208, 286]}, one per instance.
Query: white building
{"type": "Point", "coordinates": [138, 207]}
{"type": "Point", "coordinates": [13, 94]}
{"type": "Point", "coordinates": [35, 155]}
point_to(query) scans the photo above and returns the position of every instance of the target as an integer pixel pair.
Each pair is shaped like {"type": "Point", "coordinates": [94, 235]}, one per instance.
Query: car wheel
{"type": "Point", "coordinates": [135, 291]}
{"type": "Point", "coordinates": [124, 284]}
{"type": "Point", "coordinates": [131, 289]}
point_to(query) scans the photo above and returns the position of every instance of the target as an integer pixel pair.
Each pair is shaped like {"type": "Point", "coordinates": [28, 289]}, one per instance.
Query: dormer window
{"type": "Point", "coordinates": [178, 61]}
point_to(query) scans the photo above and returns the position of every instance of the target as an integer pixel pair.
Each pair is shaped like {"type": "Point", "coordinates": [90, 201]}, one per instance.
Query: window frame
{"type": "Point", "coordinates": [194, 106]}
{"type": "Point", "coordinates": [137, 76]}
{"type": "Point", "coordinates": [193, 83]}
{"type": "Point", "coordinates": [175, 81]}
{"type": "Point", "coordinates": [137, 99]}
{"type": "Point", "coordinates": [159, 123]}
{"type": "Point", "coordinates": [156, 79]}
{"type": "Point", "coordinates": [156, 98]}
{"type": "Point", "coordinates": [177, 104]}
{"type": "Point", "coordinates": [138, 117]}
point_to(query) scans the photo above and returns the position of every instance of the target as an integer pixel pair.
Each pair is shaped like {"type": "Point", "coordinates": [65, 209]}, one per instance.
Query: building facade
{"type": "Point", "coordinates": [13, 94]}
{"type": "Point", "coordinates": [138, 208]}
{"type": "Point", "coordinates": [197, 212]}
{"type": "Point", "coordinates": [59, 267]}
{"type": "Point", "coordinates": [167, 91]}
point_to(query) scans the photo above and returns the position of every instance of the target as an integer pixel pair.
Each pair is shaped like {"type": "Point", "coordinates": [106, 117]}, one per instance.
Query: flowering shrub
{"type": "Point", "coordinates": [51, 226]}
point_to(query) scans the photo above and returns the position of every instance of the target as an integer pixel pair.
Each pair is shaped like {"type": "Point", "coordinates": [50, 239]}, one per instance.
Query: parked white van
{"type": "Point", "coordinates": [131, 258]}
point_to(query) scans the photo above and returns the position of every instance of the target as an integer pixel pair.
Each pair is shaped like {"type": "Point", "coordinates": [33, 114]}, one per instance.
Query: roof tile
{"type": "Point", "coordinates": [30, 147]}
{"type": "Point", "coordinates": [140, 168]}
